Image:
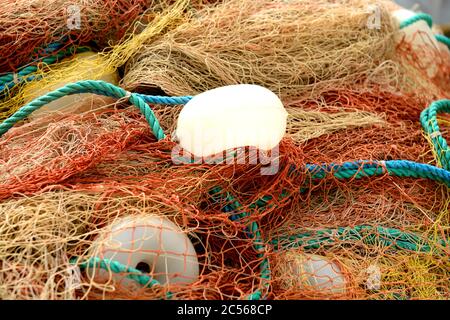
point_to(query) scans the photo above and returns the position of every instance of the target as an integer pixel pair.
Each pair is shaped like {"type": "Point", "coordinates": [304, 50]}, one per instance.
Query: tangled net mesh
{"type": "Point", "coordinates": [164, 16]}
{"type": "Point", "coordinates": [27, 25]}
{"type": "Point", "coordinates": [65, 178]}
{"type": "Point", "coordinates": [62, 185]}
{"type": "Point", "coordinates": [425, 67]}
{"type": "Point", "coordinates": [300, 53]}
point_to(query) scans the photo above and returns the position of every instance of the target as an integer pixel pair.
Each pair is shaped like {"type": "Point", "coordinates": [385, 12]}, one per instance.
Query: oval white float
{"type": "Point", "coordinates": [148, 242]}
{"type": "Point", "coordinates": [231, 117]}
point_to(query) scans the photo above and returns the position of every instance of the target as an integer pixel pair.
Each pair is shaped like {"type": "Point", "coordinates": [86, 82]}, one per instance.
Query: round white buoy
{"type": "Point", "coordinates": [231, 117]}
{"type": "Point", "coordinates": [89, 66]}
{"type": "Point", "coordinates": [310, 272]}
{"type": "Point", "coordinates": [152, 244]}
{"type": "Point", "coordinates": [421, 38]}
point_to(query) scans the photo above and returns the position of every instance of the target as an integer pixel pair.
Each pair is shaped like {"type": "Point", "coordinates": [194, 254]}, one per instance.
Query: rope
{"type": "Point", "coordinates": [116, 267]}
{"type": "Point", "coordinates": [50, 48]}
{"type": "Point", "coordinates": [96, 87]}
{"type": "Point", "coordinates": [367, 168]}
{"type": "Point", "coordinates": [252, 233]}
{"type": "Point", "coordinates": [371, 235]}
{"type": "Point", "coordinates": [9, 80]}
{"type": "Point", "coordinates": [418, 17]}
{"type": "Point", "coordinates": [445, 40]}
{"type": "Point", "coordinates": [362, 169]}
{"type": "Point", "coordinates": [165, 100]}
{"type": "Point", "coordinates": [428, 119]}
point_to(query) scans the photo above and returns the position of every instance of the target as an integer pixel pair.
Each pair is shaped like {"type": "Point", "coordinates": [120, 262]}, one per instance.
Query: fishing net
{"type": "Point", "coordinates": [285, 46]}
{"type": "Point", "coordinates": [425, 68]}
{"type": "Point", "coordinates": [401, 136]}
{"type": "Point", "coordinates": [48, 77]}
{"type": "Point", "coordinates": [37, 28]}
{"type": "Point", "coordinates": [63, 184]}
{"type": "Point", "coordinates": [68, 177]}
{"type": "Point", "coordinates": [30, 26]}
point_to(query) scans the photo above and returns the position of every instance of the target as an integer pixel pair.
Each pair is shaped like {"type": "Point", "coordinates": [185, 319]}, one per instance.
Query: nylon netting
{"type": "Point", "coordinates": [68, 178]}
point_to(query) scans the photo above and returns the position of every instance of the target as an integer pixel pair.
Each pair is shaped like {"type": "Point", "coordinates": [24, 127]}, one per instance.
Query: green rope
{"type": "Point", "coordinates": [88, 86]}
{"type": "Point", "coordinates": [370, 235]}
{"type": "Point", "coordinates": [443, 39]}
{"type": "Point", "coordinates": [116, 267]}
{"type": "Point", "coordinates": [428, 119]}
{"type": "Point", "coordinates": [418, 17]}
{"type": "Point", "coordinates": [233, 205]}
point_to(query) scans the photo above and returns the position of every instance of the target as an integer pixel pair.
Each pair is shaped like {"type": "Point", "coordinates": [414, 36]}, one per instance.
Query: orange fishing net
{"type": "Point", "coordinates": [28, 27]}
{"type": "Point", "coordinates": [62, 185]}
{"type": "Point", "coordinates": [68, 180]}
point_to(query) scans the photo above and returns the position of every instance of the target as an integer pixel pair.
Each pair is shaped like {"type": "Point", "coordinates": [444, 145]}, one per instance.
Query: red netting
{"type": "Point", "coordinates": [100, 166]}
{"type": "Point", "coordinates": [76, 187]}
{"type": "Point", "coordinates": [28, 27]}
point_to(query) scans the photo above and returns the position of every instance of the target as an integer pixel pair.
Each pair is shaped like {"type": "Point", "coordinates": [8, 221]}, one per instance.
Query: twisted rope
{"type": "Point", "coordinates": [428, 119]}
{"type": "Point", "coordinates": [418, 17]}
{"type": "Point", "coordinates": [363, 169]}
{"type": "Point", "coordinates": [371, 235]}
{"type": "Point", "coordinates": [367, 168]}
{"type": "Point", "coordinates": [101, 88]}
{"type": "Point", "coordinates": [116, 267]}
{"type": "Point", "coordinates": [443, 39]}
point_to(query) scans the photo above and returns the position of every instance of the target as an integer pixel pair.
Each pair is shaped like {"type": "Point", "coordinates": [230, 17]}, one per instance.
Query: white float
{"type": "Point", "coordinates": [147, 242]}
{"type": "Point", "coordinates": [231, 117]}
{"type": "Point", "coordinates": [89, 66]}
{"type": "Point", "coordinates": [421, 38]}
{"type": "Point", "coordinates": [311, 272]}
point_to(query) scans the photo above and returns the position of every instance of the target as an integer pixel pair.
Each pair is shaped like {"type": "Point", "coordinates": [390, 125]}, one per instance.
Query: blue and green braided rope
{"type": "Point", "coordinates": [116, 267]}
{"type": "Point", "coordinates": [428, 119]}
{"type": "Point", "coordinates": [9, 80]}
{"type": "Point", "coordinates": [366, 168]}
{"type": "Point", "coordinates": [370, 235]}
{"type": "Point", "coordinates": [429, 20]}
{"type": "Point", "coordinates": [363, 169]}
{"type": "Point", "coordinates": [101, 88]}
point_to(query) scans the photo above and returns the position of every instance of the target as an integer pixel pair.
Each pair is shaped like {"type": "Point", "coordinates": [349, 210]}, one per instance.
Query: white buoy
{"type": "Point", "coordinates": [152, 244]}
{"type": "Point", "coordinates": [421, 38]}
{"type": "Point", "coordinates": [310, 272]}
{"type": "Point", "coordinates": [231, 117]}
{"type": "Point", "coordinates": [89, 66]}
